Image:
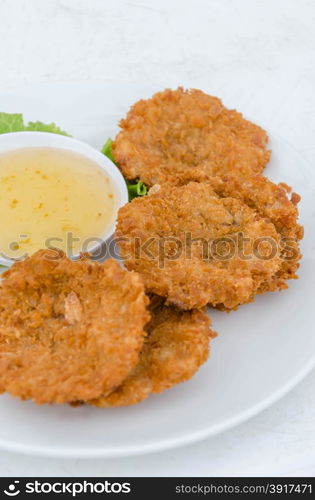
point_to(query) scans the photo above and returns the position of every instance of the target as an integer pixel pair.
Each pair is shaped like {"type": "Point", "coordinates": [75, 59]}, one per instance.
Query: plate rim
{"type": "Point", "coordinates": [162, 445]}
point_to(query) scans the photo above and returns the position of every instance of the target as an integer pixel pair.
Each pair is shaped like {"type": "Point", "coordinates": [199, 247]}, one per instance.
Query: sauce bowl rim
{"type": "Point", "coordinates": [22, 140]}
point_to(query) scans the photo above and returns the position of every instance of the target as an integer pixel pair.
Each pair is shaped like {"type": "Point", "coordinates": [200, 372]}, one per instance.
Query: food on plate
{"type": "Point", "coordinates": [52, 197]}
{"type": "Point", "coordinates": [177, 344]}
{"type": "Point", "coordinates": [181, 135]}
{"type": "Point", "coordinates": [277, 204]}
{"type": "Point", "coordinates": [69, 331]}
{"type": "Point", "coordinates": [194, 248]}
{"type": "Point", "coordinates": [212, 230]}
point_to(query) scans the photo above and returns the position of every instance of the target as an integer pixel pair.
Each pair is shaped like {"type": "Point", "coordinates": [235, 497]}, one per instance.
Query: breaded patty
{"type": "Point", "coordinates": [195, 248]}
{"type": "Point", "coordinates": [181, 135]}
{"type": "Point", "coordinates": [68, 330]}
{"type": "Point", "coordinates": [176, 345]}
{"type": "Point", "coordinates": [278, 204]}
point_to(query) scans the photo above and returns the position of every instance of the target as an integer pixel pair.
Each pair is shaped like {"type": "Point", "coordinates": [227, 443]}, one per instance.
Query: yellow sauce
{"type": "Point", "coordinates": [52, 197]}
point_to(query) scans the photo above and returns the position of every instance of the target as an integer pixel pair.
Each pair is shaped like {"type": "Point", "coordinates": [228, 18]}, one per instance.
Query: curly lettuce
{"type": "Point", "coordinates": [14, 122]}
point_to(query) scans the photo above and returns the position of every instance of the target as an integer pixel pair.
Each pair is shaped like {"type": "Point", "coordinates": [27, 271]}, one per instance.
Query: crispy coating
{"type": "Point", "coordinates": [181, 135]}
{"type": "Point", "coordinates": [194, 248]}
{"type": "Point", "coordinates": [176, 346]}
{"type": "Point", "coordinates": [68, 330]}
{"type": "Point", "coordinates": [278, 204]}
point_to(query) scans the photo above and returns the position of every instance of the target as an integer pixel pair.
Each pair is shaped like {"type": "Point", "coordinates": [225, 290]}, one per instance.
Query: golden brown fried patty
{"type": "Point", "coordinates": [194, 248]}
{"type": "Point", "coordinates": [176, 345]}
{"type": "Point", "coordinates": [277, 204]}
{"type": "Point", "coordinates": [181, 135]}
{"type": "Point", "coordinates": [68, 330]}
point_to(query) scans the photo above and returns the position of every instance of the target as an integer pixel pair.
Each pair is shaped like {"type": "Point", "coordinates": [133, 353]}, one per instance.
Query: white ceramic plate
{"type": "Point", "coordinates": [262, 351]}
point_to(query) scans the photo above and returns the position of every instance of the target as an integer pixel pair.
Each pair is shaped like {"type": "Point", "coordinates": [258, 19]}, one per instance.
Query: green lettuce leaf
{"type": "Point", "coordinates": [108, 151]}
{"type": "Point", "coordinates": [135, 188]}
{"type": "Point", "coordinates": [43, 127]}
{"type": "Point", "coordinates": [14, 122]}
{"type": "Point", "coordinates": [11, 122]}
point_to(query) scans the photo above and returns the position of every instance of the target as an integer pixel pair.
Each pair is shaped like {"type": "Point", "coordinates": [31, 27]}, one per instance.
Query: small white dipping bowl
{"type": "Point", "coordinates": [17, 140]}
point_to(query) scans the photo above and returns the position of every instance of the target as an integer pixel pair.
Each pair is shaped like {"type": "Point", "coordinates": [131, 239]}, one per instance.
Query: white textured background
{"type": "Point", "coordinates": [264, 49]}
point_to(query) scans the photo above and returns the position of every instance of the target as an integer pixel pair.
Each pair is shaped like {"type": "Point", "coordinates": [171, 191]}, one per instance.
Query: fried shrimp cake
{"type": "Point", "coordinates": [278, 204]}
{"type": "Point", "coordinates": [194, 248]}
{"type": "Point", "coordinates": [68, 330]}
{"type": "Point", "coordinates": [176, 346]}
{"type": "Point", "coordinates": [181, 135]}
